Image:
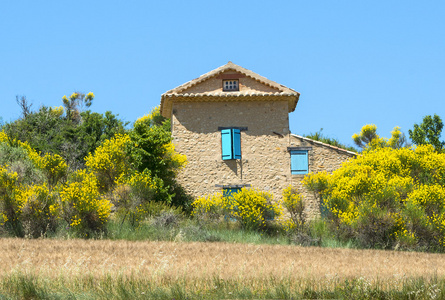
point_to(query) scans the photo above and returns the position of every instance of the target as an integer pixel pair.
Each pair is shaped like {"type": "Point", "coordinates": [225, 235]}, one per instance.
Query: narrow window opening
{"type": "Point", "coordinates": [230, 85]}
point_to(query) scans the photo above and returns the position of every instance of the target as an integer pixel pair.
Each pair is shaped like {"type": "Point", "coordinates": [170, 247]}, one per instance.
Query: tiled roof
{"type": "Point", "coordinates": [180, 91]}
{"type": "Point", "coordinates": [324, 144]}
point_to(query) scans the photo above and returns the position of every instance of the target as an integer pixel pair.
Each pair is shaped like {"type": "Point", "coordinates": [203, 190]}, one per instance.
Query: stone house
{"type": "Point", "coordinates": [233, 126]}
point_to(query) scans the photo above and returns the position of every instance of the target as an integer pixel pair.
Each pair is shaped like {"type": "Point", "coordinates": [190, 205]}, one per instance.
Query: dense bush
{"type": "Point", "coordinates": [135, 193]}
{"type": "Point", "coordinates": [83, 207]}
{"type": "Point", "coordinates": [110, 161]}
{"type": "Point", "coordinates": [387, 198]}
{"type": "Point", "coordinates": [294, 203]}
{"type": "Point", "coordinates": [39, 210]}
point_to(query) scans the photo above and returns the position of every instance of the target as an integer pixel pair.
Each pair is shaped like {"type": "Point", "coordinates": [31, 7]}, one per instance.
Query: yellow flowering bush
{"type": "Point", "coordinates": [57, 111]}
{"type": "Point", "coordinates": [387, 196]}
{"type": "Point", "coordinates": [3, 137]}
{"type": "Point", "coordinates": [85, 210]}
{"type": "Point", "coordinates": [10, 208]}
{"type": "Point", "coordinates": [250, 207]}
{"type": "Point", "coordinates": [54, 167]}
{"type": "Point", "coordinates": [293, 202]}
{"type": "Point", "coordinates": [134, 193]}
{"type": "Point", "coordinates": [38, 209]}
{"type": "Point", "coordinates": [208, 208]}
{"type": "Point", "coordinates": [110, 161]}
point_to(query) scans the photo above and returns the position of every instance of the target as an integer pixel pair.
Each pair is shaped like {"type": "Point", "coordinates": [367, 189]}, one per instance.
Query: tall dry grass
{"type": "Point", "coordinates": [190, 261]}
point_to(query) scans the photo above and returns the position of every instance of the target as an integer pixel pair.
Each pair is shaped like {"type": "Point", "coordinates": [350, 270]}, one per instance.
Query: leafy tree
{"type": "Point", "coordinates": [155, 151]}
{"type": "Point", "coordinates": [428, 132]}
{"type": "Point", "coordinates": [368, 138]}
{"type": "Point", "coordinates": [66, 130]}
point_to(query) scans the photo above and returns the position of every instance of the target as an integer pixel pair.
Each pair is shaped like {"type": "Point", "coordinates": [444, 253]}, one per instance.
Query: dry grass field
{"type": "Point", "coordinates": [202, 266]}
{"type": "Point", "coordinates": [197, 260]}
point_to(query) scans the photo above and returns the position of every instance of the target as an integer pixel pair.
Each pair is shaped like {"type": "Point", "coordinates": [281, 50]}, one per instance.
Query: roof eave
{"type": "Point", "coordinates": [167, 100]}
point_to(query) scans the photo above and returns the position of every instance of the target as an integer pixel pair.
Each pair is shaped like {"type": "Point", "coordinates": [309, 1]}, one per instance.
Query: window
{"type": "Point", "coordinates": [231, 143]}
{"type": "Point", "coordinates": [230, 85]}
{"type": "Point", "coordinates": [299, 162]}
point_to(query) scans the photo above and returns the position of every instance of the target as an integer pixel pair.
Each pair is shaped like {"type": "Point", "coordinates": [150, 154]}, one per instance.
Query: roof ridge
{"type": "Point", "coordinates": [324, 144]}
{"type": "Point", "coordinates": [230, 66]}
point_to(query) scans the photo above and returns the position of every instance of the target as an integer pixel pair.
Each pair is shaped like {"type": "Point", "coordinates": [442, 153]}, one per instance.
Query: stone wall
{"type": "Point", "coordinates": [265, 160]}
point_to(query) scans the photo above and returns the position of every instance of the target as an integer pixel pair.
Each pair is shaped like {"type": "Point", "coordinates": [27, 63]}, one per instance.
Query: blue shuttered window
{"type": "Point", "coordinates": [299, 162]}
{"type": "Point", "coordinates": [231, 143]}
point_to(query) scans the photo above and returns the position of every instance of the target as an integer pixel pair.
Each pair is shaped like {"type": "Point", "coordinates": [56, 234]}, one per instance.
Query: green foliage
{"type": "Point", "coordinates": [428, 132]}
{"type": "Point", "coordinates": [153, 150]}
{"type": "Point", "coordinates": [387, 197]}
{"type": "Point", "coordinates": [68, 132]}
{"type": "Point", "coordinates": [368, 138]}
{"type": "Point", "coordinates": [319, 136]}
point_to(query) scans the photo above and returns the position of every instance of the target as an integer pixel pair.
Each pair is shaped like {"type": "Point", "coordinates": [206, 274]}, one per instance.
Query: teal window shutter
{"type": "Point", "coordinates": [236, 138]}
{"type": "Point", "coordinates": [299, 162]}
{"type": "Point", "coordinates": [231, 143]}
{"type": "Point", "coordinates": [226, 144]}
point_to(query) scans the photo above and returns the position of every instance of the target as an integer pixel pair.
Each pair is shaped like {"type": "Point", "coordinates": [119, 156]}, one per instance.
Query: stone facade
{"type": "Point", "coordinates": [200, 109]}
{"type": "Point", "coordinates": [265, 160]}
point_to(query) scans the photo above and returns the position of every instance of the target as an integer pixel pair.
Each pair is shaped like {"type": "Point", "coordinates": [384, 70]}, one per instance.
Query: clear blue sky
{"type": "Point", "coordinates": [354, 62]}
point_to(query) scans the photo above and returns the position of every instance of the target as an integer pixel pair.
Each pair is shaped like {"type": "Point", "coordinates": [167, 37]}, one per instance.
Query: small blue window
{"type": "Point", "coordinates": [231, 143]}
{"type": "Point", "coordinates": [299, 162]}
